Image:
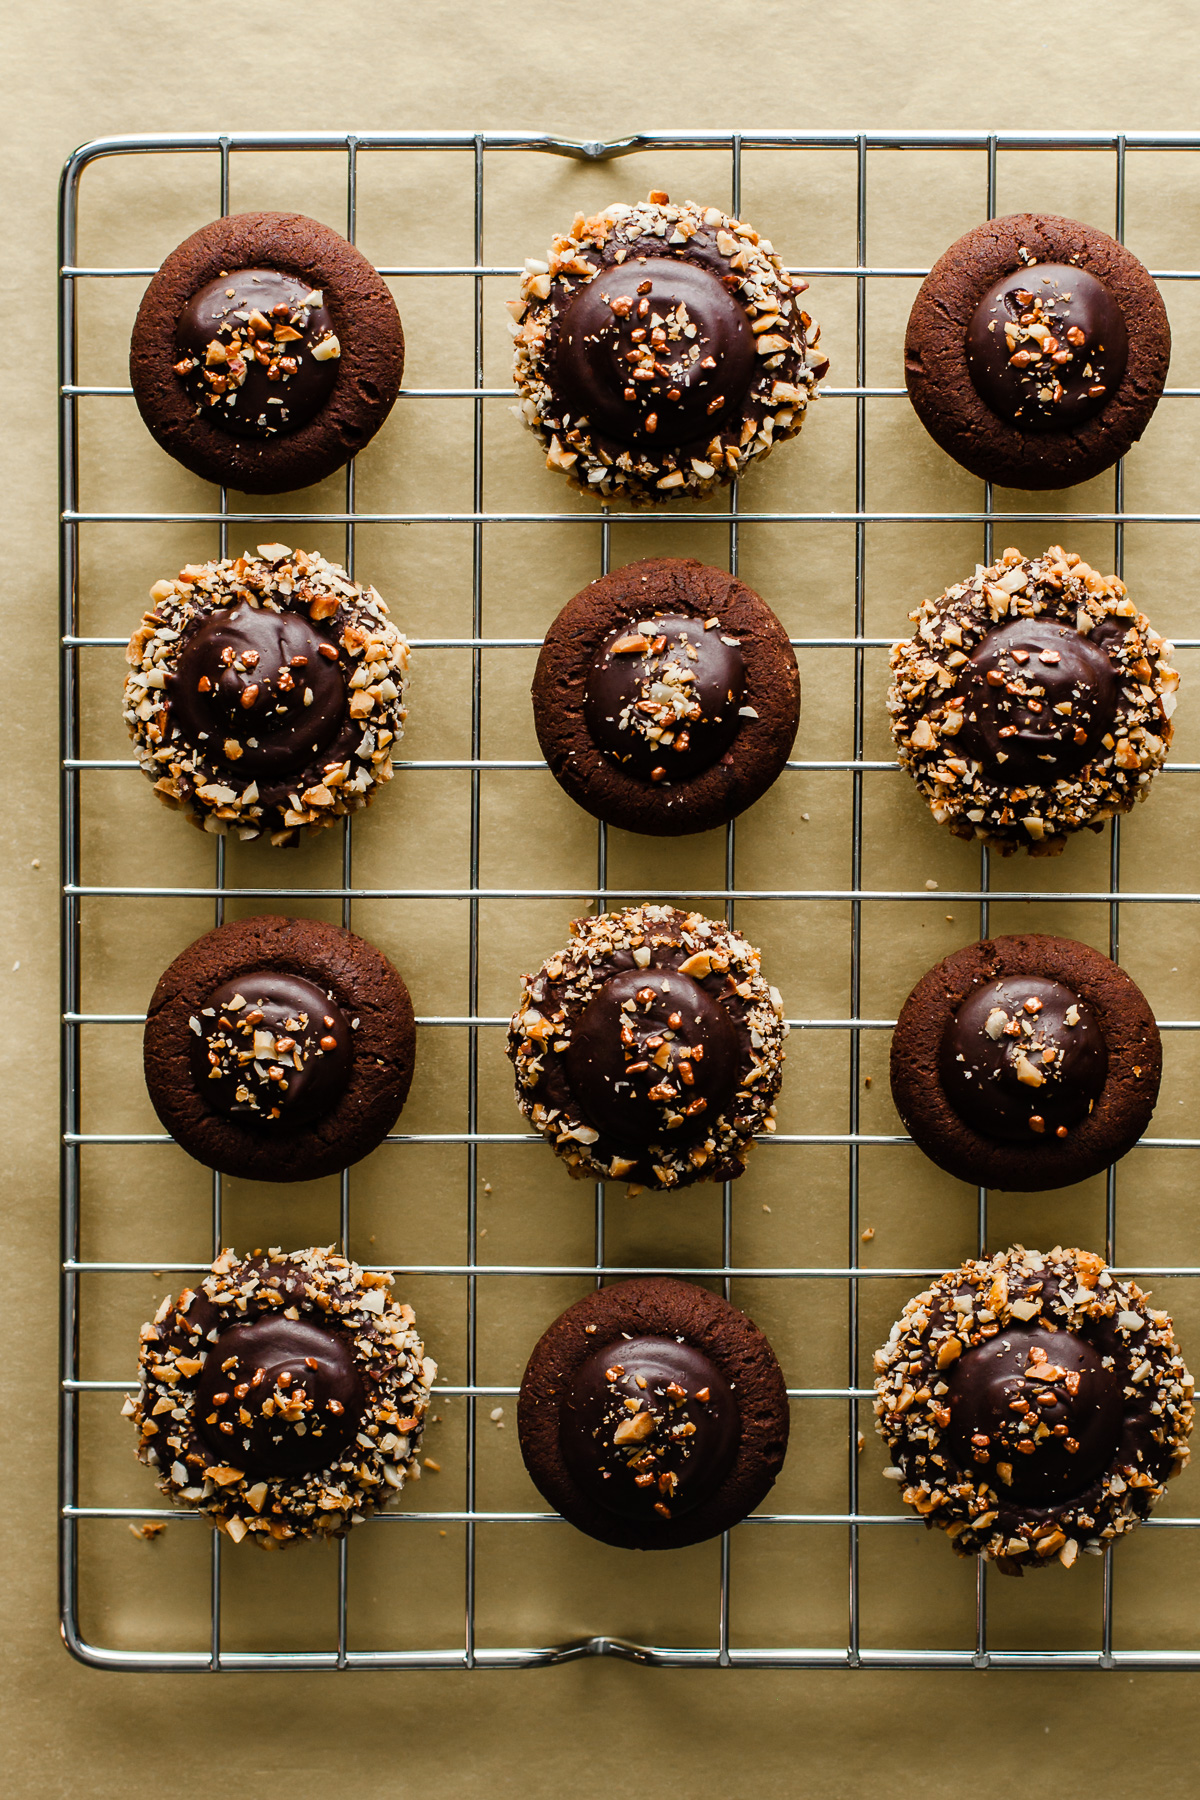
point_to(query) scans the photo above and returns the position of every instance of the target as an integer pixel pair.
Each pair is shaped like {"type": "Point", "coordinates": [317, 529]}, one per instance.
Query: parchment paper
{"type": "Point", "coordinates": [601, 1727]}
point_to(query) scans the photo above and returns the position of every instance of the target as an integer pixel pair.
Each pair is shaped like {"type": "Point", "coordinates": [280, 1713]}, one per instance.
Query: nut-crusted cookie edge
{"type": "Point", "coordinates": [374, 656]}
{"type": "Point", "coordinates": [714, 950]}
{"type": "Point", "coordinates": [789, 370]}
{"type": "Point", "coordinates": [926, 713]}
{"type": "Point", "coordinates": [1071, 1289]}
{"type": "Point", "coordinates": [368, 1474]}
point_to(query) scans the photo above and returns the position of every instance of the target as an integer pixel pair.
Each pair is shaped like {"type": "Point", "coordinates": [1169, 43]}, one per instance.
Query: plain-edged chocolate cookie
{"type": "Point", "coordinates": [279, 1049]}
{"type": "Point", "coordinates": [266, 352]}
{"type": "Point", "coordinates": [653, 1414]}
{"type": "Point", "coordinates": [1026, 1062]}
{"type": "Point", "coordinates": [1036, 351]}
{"type": "Point", "coordinates": [666, 697]}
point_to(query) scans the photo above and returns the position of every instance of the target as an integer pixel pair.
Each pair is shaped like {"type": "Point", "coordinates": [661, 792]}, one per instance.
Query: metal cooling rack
{"type": "Point", "coordinates": [474, 148]}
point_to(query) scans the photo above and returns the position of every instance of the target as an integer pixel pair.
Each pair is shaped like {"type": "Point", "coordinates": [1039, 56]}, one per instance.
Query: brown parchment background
{"type": "Point", "coordinates": [75, 71]}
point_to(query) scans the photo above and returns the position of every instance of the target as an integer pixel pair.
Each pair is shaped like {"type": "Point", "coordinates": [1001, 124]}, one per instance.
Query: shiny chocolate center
{"type": "Point", "coordinates": [260, 692]}
{"type": "Point", "coordinates": [649, 1427]}
{"type": "Point", "coordinates": [662, 696]}
{"type": "Point", "coordinates": [269, 1046]}
{"type": "Point", "coordinates": [654, 352]}
{"type": "Point", "coordinates": [1038, 700]}
{"type": "Point", "coordinates": [257, 352]}
{"type": "Point", "coordinates": [1047, 346]}
{"type": "Point", "coordinates": [1023, 1058]}
{"type": "Point", "coordinates": [1035, 1413]}
{"type": "Point", "coordinates": [652, 1055]}
{"type": "Point", "coordinates": [279, 1397]}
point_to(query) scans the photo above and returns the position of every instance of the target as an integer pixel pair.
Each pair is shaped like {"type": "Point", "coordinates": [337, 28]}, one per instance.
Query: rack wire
{"type": "Point", "coordinates": [475, 149]}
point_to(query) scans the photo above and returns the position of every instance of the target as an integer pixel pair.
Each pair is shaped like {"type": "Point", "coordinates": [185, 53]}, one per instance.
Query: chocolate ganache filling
{"type": "Point", "coordinates": [654, 352]}
{"type": "Point", "coordinates": [1036, 1412]}
{"type": "Point", "coordinates": [649, 1427]}
{"type": "Point", "coordinates": [653, 1054]}
{"type": "Point", "coordinates": [662, 697]}
{"type": "Point", "coordinates": [271, 1046]}
{"type": "Point", "coordinates": [1038, 700]}
{"type": "Point", "coordinates": [257, 351]}
{"type": "Point", "coordinates": [1047, 346]}
{"type": "Point", "coordinates": [279, 1397]}
{"type": "Point", "coordinates": [261, 692]}
{"type": "Point", "coordinates": [1023, 1055]}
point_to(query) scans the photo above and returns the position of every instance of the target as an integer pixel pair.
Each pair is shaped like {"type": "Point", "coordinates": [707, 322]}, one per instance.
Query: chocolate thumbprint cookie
{"type": "Point", "coordinates": [653, 1414]}
{"type": "Point", "coordinates": [1036, 351]}
{"type": "Point", "coordinates": [1035, 1405]}
{"type": "Point", "coordinates": [660, 350]}
{"type": "Point", "coordinates": [650, 1050]}
{"type": "Point", "coordinates": [1034, 699]}
{"type": "Point", "coordinates": [279, 1049]}
{"type": "Point", "coordinates": [666, 697]}
{"type": "Point", "coordinates": [284, 1396]}
{"type": "Point", "coordinates": [266, 693]}
{"type": "Point", "coordinates": [266, 352]}
{"type": "Point", "coordinates": [1026, 1062]}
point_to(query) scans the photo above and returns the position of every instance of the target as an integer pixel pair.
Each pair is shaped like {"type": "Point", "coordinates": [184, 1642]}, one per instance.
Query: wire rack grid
{"type": "Point", "coordinates": [475, 148]}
